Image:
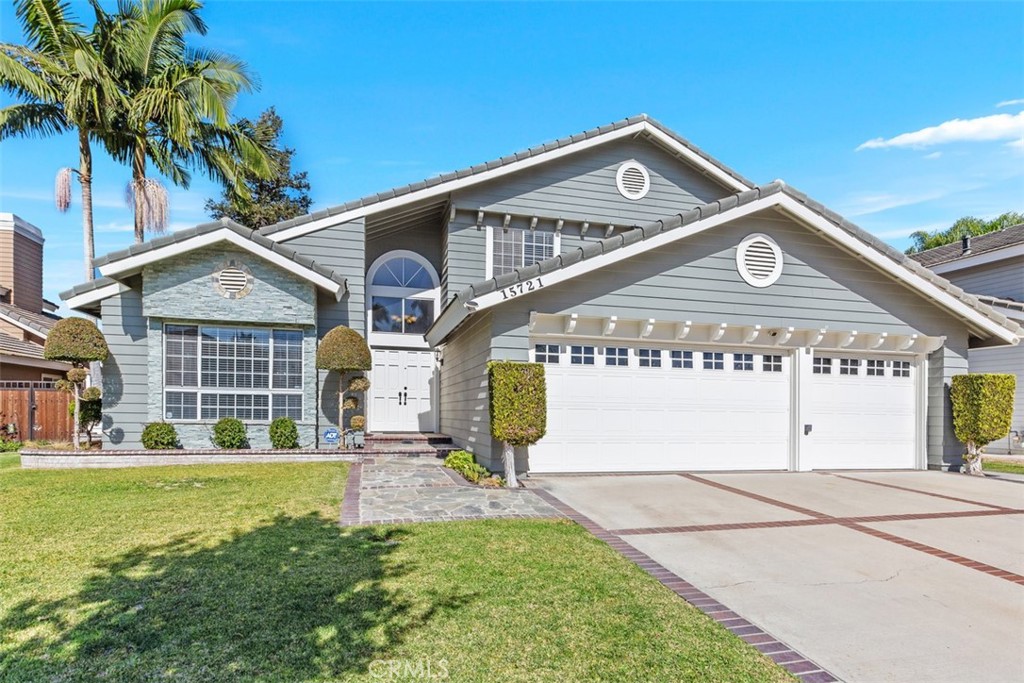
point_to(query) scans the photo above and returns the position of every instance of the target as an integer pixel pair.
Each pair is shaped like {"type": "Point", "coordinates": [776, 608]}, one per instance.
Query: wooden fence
{"type": "Point", "coordinates": [39, 411]}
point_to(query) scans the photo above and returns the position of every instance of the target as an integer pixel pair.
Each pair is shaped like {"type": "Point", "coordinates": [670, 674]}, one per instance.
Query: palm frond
{"type": "Point", "coordinates": [32, 119]}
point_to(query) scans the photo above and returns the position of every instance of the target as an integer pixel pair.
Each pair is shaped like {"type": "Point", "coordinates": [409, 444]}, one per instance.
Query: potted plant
{"type": "Point", "coordinates": [355, 437]}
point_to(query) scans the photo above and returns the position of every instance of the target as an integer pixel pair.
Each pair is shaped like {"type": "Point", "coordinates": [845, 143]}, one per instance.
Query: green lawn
{"type": "Point", "coordinates": [240, 572]}
{"type": "Point", "coordinates": [1009, 467]}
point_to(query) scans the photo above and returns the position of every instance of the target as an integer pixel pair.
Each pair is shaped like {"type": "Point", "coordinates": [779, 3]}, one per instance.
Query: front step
{"type": "Point", "coordinates": [390, 439]}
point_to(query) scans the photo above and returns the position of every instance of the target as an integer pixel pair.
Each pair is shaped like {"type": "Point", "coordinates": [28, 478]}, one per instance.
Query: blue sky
{"type": "Point", "coordinates": [899, 116]}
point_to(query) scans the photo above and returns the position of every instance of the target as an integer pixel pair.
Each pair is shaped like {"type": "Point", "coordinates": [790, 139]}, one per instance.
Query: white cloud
{"type": "Point", "coordinates": [1010, 103]}
{"type": "Point", "coordinates": [982, 129]}
{"type": "Point", "coordinates": [115, 226]}
{"type": "Point", "coordinates": [933, 155]}
{"type": "Point", "coordinates": [865, 204]}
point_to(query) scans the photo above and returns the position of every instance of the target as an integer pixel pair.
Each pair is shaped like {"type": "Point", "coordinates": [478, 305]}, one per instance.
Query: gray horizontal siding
{"type": "Point", "coordinates": [343, 249]}
{"type": "Point", "coordinates": [425, 240]}
{"type": "Point", "coordinates": [464, 396]}
{"type": "Point", "coordinates": [696, 279]}
{"type": "Point", "coordinates": [1007, 359]}
{"type": "Point", "coordinates": [1004, 279]}
{"type": "Point", "coordinates": [126, 371]}
{"type": "Point", "coordinates": [944, 450]}
{"type": "Point", "coordinates": [582, 187]}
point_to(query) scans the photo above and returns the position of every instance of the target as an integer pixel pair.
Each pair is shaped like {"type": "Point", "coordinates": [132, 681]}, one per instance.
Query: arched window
{"type": "Point", "coordinates": [403, 296]}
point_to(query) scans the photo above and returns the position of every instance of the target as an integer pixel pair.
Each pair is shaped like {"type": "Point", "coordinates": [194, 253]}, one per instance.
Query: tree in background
{"type": "Point", "coordinates": [63, 83]}
{"type": "Point", "coordinates": [273, 199]}
{"type": "Point", "coordinates": [966, 226]}
{"type": "Point", "coordinates": [177, 108]}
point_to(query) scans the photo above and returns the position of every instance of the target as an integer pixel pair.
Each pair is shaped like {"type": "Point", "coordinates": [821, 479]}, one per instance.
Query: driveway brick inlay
{"type": "Point", "coordinates": [402, 490]}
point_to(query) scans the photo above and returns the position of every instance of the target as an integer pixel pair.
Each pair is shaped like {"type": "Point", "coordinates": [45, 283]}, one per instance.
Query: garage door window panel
{"type": "Point", "coordinates": [849, 366]}
{"type": "Point", "coordinates": [901, 368]}
{"type": "Point", "coordinates": [743, 362]}
{"type": "Point", "coordinates": [649, 358]}
{"type": "Point", "coordinates": [616, 356]}
{"type": "Point", "coordinates": [875, 368]}
{"type": "Point", "coordinates": [822, 365]}
{"type": "Point", "coordinates": [682, 360]}
{"type": "Point", "coordinates": [771, 364]}
{"type": "Point", "coordinates": [547, 353]}
{"type": "Point", "coordinates": [714, 360]}
{"type": "Point", "coordinates": [581, 355]}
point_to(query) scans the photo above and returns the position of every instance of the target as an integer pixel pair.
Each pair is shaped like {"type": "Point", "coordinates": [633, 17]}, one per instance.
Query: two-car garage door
{"type": "Point", "coordinates": [645, 408]}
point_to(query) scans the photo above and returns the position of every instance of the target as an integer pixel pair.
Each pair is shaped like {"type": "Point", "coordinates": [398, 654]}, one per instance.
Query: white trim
{"type": "Point", "coordinates": [634, 165]}
{"type": "Point", "coordinates": [95, 295]}
{"type": "Point", "coordinates": [377, 339]}
{"type": "Point", "coordinates": [979, 259]}
{"type": "Point", "coordinates": [741, 260]}
{"type": "Point", "coordinates": [14, 223]}
{"type": "Point", "coordinates": [556, 246]}
{"type": "Point", "coordinates": [132, 263]}
{"type": "Point", "coordinates": [11, 359]}
{"type": "Point", "coordinates": [444, 188]}
{"type": "Point", "coordinates": [18, 323]}
{"type": "Point", "coordinates": [451, 317]}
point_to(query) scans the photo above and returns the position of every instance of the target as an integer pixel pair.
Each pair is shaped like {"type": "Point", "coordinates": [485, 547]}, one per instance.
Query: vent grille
{"type": "Point", "coordinates": [232, 280]}
{"type": "Point", "coordinates": [759, 260]}
{"type": "Point", "coordinates": [633, 180]}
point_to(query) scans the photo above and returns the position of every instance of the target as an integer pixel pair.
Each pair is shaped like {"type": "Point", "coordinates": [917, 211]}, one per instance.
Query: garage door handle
{"type": "Point", "coordinates": [807, 429]}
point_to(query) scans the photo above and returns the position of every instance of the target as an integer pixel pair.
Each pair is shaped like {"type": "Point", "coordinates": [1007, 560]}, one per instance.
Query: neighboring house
{"type": "Point", "coordinates": [991, 267]}
{"type": "Point", "coordinates": [687, 318]}
{"type": "Point", "coordinates": [25, 316]}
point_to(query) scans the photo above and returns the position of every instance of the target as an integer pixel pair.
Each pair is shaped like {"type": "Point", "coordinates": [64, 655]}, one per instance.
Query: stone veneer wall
{"type": "Point", "coordinates": [181, 290]}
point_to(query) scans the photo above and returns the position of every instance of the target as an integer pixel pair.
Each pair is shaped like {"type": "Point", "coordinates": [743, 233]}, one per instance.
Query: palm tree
{"type": "Point", "coordinates": [63, 84]}
{"type": "Point", "coordinates": [177, 108]}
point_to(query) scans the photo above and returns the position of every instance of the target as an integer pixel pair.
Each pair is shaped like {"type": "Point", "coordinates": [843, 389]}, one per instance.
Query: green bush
{"type": "Point", "coordinates": [229, 433]}
{"type": "Point", "coordinates": [343, 349]}
{"type": "Point", "coordinates": [518, 402]}
{"type": "Point", "coordinates": [465, 464]}
{"type": "Point", "coordinates": [982, 410]}
{"type": "Point", "coordinates": [284, 433]}
{"type": "Point", "coordinates": [9, 446]}
{"type": "Point", "coordinates": [75, 340]}
{"type": "Point", "coordinates": [358, 423]}
{"type": "Point", "coordinates": [358, 384]}
{"type": "Point", "coordinates": [159, 436]}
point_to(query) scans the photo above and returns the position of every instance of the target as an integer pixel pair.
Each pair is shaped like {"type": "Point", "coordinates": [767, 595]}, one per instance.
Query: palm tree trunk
{"type": "Point", "coordinates": [85, 177]}
{"type": "Point", "coordinates": [138, 188]}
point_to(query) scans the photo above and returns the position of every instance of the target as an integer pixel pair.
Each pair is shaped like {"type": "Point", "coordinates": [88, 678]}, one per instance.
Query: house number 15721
{"type": "Point", "coordinates": [521, 288]}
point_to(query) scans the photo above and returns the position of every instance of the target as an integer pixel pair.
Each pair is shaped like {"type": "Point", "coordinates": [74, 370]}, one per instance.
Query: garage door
{"type": "Point", "coordinates": [645, 408]}
{"type": "Point", "coordinates": [861, 411]}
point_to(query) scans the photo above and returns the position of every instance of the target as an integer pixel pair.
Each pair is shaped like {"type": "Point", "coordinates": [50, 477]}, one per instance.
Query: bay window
{"type": "Point", "coordinates": [250, 373]}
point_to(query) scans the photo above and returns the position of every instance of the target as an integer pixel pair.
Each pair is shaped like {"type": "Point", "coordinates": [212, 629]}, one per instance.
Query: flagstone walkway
{"type": "Point", "coordinates": [400, 490]}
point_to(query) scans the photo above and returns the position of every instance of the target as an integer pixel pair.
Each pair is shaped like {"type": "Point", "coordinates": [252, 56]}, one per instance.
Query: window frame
{"type": "Point", "coordinates": [819, 366]}
{"type": "Point", "coordinates": [849, 367]}
{"type": "Point", "coordinates": [653, 358]}
{"type": "Point", "coordinates": [587, 352]}
{"type": "Point", "coordinates": [874, 367]}
{"type": "Point", "coordinates": [684, 358]}
{"type": "Point", "coordinates": [489, 271]}
{"type": "Point", "coordinates": [408, 340]}
{"type": "Point", "coordinates": [742, 362]}
{"type": "Point", "coordinates": [771, 362]}
{"type": "Point", "coordinates": [901, 371]}
{"type": "Point", "coordinates": [547, 353]}
{"type": "Point", "coordinates": [198, 390]}
{"type": "Point", "coordinates": [712, 360]}
{"type": "Point", "coordinates": [621, 359]}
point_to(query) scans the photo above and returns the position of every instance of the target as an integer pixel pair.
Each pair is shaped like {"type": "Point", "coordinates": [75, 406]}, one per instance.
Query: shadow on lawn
{"type": "Point", "coordinates": [296, 599]}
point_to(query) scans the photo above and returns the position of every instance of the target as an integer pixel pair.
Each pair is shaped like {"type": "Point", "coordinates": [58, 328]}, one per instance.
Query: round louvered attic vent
{"type": "Point", "coordinates": [759, 260]}
{"type": "Point", "coordinates": [232, 280]}
{"type": "Point", "coordinates": [633, 180]}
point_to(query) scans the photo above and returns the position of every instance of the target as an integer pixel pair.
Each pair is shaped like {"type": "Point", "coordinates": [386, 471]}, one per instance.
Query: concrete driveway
{"type": "Point", "coordinates": [894, 576]}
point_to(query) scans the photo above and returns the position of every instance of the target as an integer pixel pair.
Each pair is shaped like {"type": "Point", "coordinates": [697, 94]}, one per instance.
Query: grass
{"type": "Point", "coordinates": [240, 573]}
{"type": "Point", "coordinates": [1007, 467]}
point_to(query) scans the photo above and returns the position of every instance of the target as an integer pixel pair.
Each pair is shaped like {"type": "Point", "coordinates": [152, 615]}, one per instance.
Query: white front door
{"type": "Point", "coordinates": [401, 387]}
{"type": "Point", "coordinates": [859, 412]}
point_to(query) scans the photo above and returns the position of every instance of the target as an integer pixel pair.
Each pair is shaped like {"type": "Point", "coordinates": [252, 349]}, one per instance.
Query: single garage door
{"type": "Point", "coordinates": [648, 408]}
{"type": "Point", "coordinates": [861, 411]}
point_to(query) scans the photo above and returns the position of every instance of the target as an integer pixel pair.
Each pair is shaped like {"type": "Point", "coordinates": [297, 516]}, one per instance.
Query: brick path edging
{"type": "Point", "coordinates": [782, 654]}
{"type": "Point", "coordinates": [110, 459]}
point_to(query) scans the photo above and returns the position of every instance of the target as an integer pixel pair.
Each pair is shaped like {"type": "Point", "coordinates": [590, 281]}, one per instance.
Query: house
{"type": "Point", "coordinates": [687, 318]}
{"type": "Point", "coordinates": [991, 267]}
{"type": "Point", "coordinates": [25, 316]}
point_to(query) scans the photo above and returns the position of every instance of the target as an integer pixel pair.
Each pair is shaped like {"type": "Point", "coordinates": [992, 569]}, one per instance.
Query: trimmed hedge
{"type": "Point", "coordinates": [159, 436]}
{"type": "Point", "coordinates": [229, 433]}
{"type": "Point", "coordinates": [982, 408]}
{"type": "Point", "coordinates": [343, 349]}
{"type": "Point", "coordinates": [518, 397]}
{"type": "Point", "coordinates": [75, 340]}
{"type": "Point", "coordinates": [284, 433]}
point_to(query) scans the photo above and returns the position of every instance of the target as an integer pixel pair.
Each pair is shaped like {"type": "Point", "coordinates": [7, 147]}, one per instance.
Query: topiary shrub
{"type": "Point", "coordinates": [350, 403]}
{"type": "Point", "coordinates": [77, 341]}
{"type": "Point", "coordinates": [519, 413]}
{"type": "Point", "coordinates": [284, 433]}
{"type": "Point", "coordinates": [343, 349]}
{"type": "Point", "coordinates": [229, 433]}
{"type": "Point", "coordinates": [465, 464]}
{"type": "Point", "coordinates": [982, 412]}
{"type": "Point", "coordinates": [90, 411]}
{"type": "Point", "coordinates": [358, 384]}
{"type": "Point", "coordinates": [159, 436]}
{"type": "Point", "coordinates": [358, 423]}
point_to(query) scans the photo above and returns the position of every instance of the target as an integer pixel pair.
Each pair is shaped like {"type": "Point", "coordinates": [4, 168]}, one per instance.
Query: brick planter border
{"type": "Point", "coordinates": [56, 459]}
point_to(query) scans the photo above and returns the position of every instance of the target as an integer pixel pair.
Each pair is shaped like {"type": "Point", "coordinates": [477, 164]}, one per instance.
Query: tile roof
{"type": "Point", "coordinates": [980, 244]}
{"type": "Point", "coordinates": [497, 163]}
{"type": "Point", "coordinates": [202, 229]}
{"type": "Point", "coordinates": [641, 233]}
{"type": "Point", "coordinates": [40, 322]}
{"type": "Point", "coordinates": [17, 347]}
